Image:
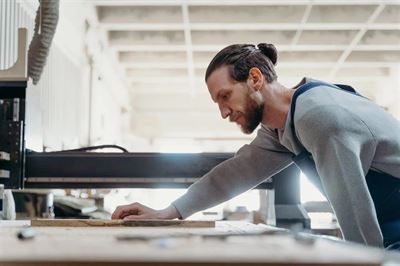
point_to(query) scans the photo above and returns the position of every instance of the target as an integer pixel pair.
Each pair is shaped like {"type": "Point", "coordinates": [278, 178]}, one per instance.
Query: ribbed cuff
{"type": "Point", "coordinates": [182, 208]}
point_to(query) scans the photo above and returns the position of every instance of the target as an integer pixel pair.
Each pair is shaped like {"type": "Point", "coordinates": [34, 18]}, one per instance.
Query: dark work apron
{"type": "Point", "coordinates": [383, 188]}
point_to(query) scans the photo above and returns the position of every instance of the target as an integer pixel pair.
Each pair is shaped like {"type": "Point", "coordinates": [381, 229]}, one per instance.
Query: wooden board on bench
{"type": "Point", "coordinates": [120, 223]}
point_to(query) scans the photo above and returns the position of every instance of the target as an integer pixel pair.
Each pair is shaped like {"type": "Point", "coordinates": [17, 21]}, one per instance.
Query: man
{"type": "Point", "coordinates": [354, 144]}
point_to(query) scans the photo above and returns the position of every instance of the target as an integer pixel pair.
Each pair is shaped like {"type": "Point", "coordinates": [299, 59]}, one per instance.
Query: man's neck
{"type": "Point", "coordinates": [277, 99]}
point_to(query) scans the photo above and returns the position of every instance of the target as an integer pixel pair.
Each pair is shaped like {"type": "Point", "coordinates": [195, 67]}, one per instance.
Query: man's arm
{"type": "Point", "coordinates": [251, 165]}
{"type": "Point", "coordinates": [343, 149]}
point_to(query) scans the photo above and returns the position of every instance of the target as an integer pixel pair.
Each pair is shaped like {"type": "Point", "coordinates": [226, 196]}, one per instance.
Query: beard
{"type": "Point", "coordinates": [252, 115]}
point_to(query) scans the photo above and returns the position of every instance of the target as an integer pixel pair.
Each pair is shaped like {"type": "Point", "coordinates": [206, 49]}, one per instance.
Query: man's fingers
{"type": "Point", "coordinates": [118, 211]}
{"type": "Point", "coordinates": [125, 210]}
{"type": "Point", "coordinates": [135, 217]}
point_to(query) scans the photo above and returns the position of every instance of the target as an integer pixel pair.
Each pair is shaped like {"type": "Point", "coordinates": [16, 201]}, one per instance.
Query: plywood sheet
{"type": "Point", "coordinates": [120, 223]}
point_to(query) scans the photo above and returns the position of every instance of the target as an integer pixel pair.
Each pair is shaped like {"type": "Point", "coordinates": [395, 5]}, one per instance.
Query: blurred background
{"type": "Point", "coordinates": [131, 72]}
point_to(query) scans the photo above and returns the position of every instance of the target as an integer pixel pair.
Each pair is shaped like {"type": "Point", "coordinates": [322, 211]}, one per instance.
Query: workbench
{"type": "Point", "coordinates": [176, 246]}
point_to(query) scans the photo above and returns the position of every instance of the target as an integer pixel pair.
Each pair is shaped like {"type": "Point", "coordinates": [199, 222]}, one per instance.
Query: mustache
{"type": "Point", "coordinates": [234, 116]}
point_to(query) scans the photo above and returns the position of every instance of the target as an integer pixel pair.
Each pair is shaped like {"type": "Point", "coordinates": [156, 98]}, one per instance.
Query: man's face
{"type": "Point", "coordinates": [234, 101]}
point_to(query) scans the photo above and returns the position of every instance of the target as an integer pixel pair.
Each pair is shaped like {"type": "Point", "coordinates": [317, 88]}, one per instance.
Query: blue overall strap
{"type": "Point", "coordinates": [307, 86]}
{"type": "Point", "coordinates": [304, 160]}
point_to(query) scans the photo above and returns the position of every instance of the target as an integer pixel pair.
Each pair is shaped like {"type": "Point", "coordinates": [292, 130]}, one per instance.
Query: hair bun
{"type": "Point", "coordinates": [269, 51]}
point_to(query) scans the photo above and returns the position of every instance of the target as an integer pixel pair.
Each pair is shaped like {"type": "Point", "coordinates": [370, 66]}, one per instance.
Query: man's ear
{"type": "Point", "coordinates": [255, 79]}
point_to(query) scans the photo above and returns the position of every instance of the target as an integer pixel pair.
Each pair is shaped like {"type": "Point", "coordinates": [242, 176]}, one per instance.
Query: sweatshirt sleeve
{"type": "Point", "coordinates": [251, 165]}
{"type": "Point", "coordinates": [343, 148]}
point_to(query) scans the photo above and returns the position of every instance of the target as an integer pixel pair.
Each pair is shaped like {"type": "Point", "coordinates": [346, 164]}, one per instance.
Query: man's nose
{"type": "Point", "coordinates": [225, 111]}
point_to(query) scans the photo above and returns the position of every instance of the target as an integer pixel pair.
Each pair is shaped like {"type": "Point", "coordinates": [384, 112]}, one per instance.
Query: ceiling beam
{"type": "Point", "coordinates": [281, 48]}
{"type": "Point", "coordinates": [236, 3]}
{"type": "Point", "coordinates": [245, 26]}
{"type": "Point", "coordinates": [356, 40]}
{"type": "Point", "coordinates": [189, 48]}
{"type": "Point", "coordinates": [172, 65]}
{"type": "Point", "coordinates": [303, 22]}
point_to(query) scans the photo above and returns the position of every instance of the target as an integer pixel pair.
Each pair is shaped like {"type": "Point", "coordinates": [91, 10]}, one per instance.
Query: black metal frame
{"type": "Point", "coordinates": [117, 170]}
{"type": "Point", "coordinates": [12, 127]}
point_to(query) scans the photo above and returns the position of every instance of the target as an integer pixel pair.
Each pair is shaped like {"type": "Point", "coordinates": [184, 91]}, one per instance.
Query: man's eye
{"type": "Point", "coordinates": [225, 97]}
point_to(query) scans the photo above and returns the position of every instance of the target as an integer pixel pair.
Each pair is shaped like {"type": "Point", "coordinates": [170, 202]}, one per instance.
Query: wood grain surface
{"type": "Point", "coordinates": [159, 246]}
{"type": "Point", "coordinates": [120, 223]}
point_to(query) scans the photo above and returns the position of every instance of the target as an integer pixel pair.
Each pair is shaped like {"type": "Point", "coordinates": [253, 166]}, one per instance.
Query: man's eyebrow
{"type": "Point", "coordinates": [219, 94]}
{"type": "Point", "coordinates": [216, 98]}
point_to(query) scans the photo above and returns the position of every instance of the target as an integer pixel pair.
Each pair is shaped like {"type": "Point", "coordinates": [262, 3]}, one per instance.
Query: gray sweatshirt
{"type": "Point", "coordinates": [346, 134]}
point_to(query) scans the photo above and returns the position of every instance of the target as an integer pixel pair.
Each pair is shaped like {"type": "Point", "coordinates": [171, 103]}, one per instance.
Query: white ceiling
{"type": "Point", "coordinates": [165, 47]}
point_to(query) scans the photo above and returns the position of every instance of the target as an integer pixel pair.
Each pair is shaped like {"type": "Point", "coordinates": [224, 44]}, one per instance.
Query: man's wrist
{"type": "Point", "coordinates": [170, 213]}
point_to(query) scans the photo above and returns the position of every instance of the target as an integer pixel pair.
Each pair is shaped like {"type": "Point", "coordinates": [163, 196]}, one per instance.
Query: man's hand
{"type": "Point", "coordinates": [137, 211]}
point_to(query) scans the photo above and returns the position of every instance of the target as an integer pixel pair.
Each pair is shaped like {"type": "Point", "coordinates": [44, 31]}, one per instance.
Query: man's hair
{"type": "Point", "coordinates": [242, 57]}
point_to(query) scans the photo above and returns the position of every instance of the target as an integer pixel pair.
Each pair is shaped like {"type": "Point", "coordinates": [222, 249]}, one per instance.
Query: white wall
{"type": "Point", "coordinates": [58, 108]}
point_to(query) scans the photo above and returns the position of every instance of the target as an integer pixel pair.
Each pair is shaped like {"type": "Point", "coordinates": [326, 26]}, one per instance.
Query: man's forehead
{"type": "Point", "coordinates": [220, 77]}
{"type": "Point", "coordinates": [221, 72]}
{"type": "Point", "coordinates": [219, 80]}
